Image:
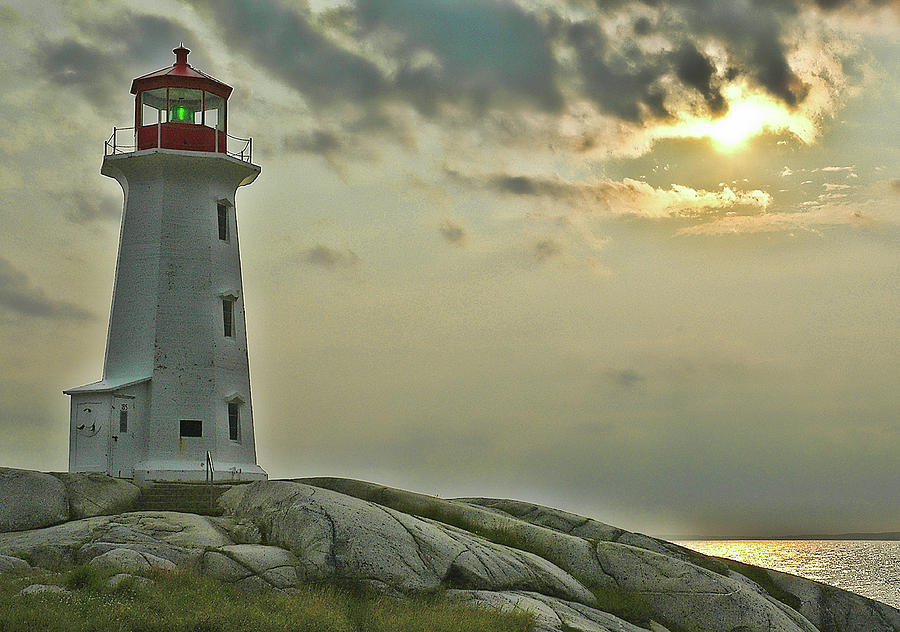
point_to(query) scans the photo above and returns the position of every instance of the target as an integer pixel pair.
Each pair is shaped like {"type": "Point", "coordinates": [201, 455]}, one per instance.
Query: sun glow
{"type": "Point", "coordinates": [749, 115]}
{"type": "Point", "coordinates": [743, 121]}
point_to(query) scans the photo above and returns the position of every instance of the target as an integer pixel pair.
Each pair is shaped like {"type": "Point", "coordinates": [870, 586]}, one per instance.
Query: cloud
{"type": "Point", "coordinates": [314, 141]}
{"type": "Point", "coordinates": [453, 232]}
{"type": "Point", "coordinates": [821, 215]}
{"type": "Point", "coordinates": [611, 77]}
{"type": "Point", "coordinates": [473, 50]}
{"type": "Point", "coordinates": [19, 295]}
{"type": "Point", "coordinates": [626, 378]}
{"type": "Point", "coordinates": [697, 71]}
{"type": "Point", "coordinates": [547, 249]}
{"type": "Point", "coordinates": [859, 5]}
{"type": "Point", "coordinates": [329, 258]}
{"type": "Point", "coordinates": [625, 89]}
{"type": "Point", "coordinates": [626, 197]}
{"type": "Point", "coordinates": [95, 73]}
{"type": "Point", "coordinates": [99, 70]}
{"type": "Point", "coordinates": [283, 42]}
{"type": "Point", "coordinates": [83, 206]}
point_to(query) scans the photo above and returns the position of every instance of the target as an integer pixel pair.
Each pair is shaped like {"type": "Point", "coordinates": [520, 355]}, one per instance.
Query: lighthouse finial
{"type": "Point", "coordinates": [181, 54]}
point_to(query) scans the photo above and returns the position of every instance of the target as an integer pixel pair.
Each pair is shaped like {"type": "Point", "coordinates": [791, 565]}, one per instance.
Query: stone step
{"type": "Point", "coordinates": [195, 498]}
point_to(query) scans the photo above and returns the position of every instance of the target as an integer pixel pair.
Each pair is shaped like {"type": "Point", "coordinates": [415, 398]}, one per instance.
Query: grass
{"type": "Point", "coordinates": [185, 602]}
{"type": "Point", "coordinates": [765, 581]}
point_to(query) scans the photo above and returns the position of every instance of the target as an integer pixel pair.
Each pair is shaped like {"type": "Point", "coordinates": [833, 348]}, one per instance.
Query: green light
{"type": "Point", "coordinates": [182, 113]}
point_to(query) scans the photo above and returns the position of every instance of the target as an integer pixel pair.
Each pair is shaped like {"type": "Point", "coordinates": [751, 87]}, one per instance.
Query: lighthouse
{"type": "Point", "coordinates": [174, 401]}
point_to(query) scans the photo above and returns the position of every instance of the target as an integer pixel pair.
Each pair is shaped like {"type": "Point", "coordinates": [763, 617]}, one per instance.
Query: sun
{"type": "Point", "coordinates": [750, 114]}
{"type": "Point", "coordinates": [743, 121]}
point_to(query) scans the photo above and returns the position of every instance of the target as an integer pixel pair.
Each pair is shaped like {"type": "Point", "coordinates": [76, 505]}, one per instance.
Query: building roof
{"type": "Point", "coordinates": [104, 386]}
{"type": "Point", "coordinates": [181, 74]}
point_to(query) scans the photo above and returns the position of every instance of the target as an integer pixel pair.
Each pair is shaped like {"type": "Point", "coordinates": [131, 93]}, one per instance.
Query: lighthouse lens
{"type": "Point", "coordinates": [185, 105]}
{"type": "Point", "coordinates": [183, 114]}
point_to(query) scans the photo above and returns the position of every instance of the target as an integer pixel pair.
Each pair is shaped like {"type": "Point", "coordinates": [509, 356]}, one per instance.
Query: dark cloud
{"type": "Point", "coordinates": [315, 141]}
{"type": "Point", "coordinates": [84, 207]}
{"type": "Point", "coordinates": [142, 43]}
{"type": "Point", "coordinates": [626, 378]}
{"type": "Point", "coordinates": [453, 232]}
{"type": "Point", "coordinates": [619, 86]}
{"type": "Point", "coordinates": [330, 258]}
{"type": "Point", "coordinates": [830, 5]}
{"type": "Point", "coordinates": [752, 32]}
{"type": "Point", "coordinates": [493, 53]}
{"type": "Point", "coordinates": [697, 71]}
{"type": "Point", "coordinates": [19, 295]}
{"type": "Point", "coordinates": [547, 249]}
{"type": "Point", "coordinates": [95, 73]}
{"type": "Point", "coordinates": [283, 42]}
{"type": "Point", "coordinates": [528, 185]}
{"type": "Point", "coordinates": [482, 51]}
{"type": "Point", "coordinates": [643, 26]}
{"type": "Point", "coordinates": [482, 48]}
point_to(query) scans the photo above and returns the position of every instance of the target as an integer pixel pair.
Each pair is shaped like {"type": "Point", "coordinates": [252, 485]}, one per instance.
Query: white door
{"type": "Point", "coordinates": [121, 438]}
{"type": "Point", "coordinates": [91, 437]}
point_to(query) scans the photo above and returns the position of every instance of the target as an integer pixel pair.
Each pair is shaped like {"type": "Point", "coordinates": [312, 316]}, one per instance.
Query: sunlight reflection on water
{"type": "Point", "coordinates": [869, 568]}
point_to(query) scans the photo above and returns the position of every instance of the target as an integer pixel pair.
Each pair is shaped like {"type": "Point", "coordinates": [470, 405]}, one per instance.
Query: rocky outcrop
{"type": "Point", "coordinates": [829, 609]}
{"type": "Point", "coordinates": [131, 561]}
{"type": "Point", "coordinates": [252, 566]}
{"type": "Point", "coordinates": [176, 537]}
{"type": "Point", "coordinates": [338, 536]}
{"type": "Point", "coordinates": [9, 564]}
{"type": "Point", "coordinates": [31, 500]}
{"type": "Point", "coordinates": [573, 573]}
{"type": "Point", "coordinates": [136, 581]}
{"type": "Point", "coordinates": [640, 578]}
{"type": "Point", "coordinates": [41, 590]}
{"type": "Point", "coordinates": [95, 494]}
{"type": "Point", "coordinates": [550, 614]}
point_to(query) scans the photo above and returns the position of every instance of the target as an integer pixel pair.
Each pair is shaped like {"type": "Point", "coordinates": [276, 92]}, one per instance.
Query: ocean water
{"type": "Point", "coordinates": [866, 567]}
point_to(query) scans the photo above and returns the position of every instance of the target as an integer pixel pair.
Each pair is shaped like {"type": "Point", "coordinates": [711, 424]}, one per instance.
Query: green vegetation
{"type": "Point", "coordinates": [765, 581]}
{"type": "Point", "coordinates": [185, 602]}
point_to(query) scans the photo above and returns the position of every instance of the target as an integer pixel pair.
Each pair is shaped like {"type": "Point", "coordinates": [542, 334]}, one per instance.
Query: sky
{"type": "Point", "coordinates": [637, 260]}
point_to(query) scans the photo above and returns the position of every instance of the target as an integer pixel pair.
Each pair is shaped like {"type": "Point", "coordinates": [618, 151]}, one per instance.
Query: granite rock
{"type": "Point", "coordinates": [252, 566]}
{"type": "Point", "coordinates": [96, 494]}
{"type": "Point", "coordinates": [130, 561]}
{"type": "Point", "coordinates": [31, 500]}
{"type": "Point", "coordinates": [10, 564]}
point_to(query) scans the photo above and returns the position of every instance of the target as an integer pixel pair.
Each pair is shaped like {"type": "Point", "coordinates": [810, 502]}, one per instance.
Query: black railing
{"type": "Point", "coordinates": [236, 147]}
{"type": "Point", "coordinates": [210, 475]}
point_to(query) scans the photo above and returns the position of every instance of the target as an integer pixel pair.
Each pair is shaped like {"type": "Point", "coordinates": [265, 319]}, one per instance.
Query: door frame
{"type": "Point", "coordinates": [114, 445]}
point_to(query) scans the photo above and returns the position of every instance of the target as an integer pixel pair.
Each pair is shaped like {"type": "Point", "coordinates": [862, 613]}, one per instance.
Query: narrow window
{"type": "Point", "coordinates": [123, 419]}
{"type": "Point", "coordinates": [228, 316]}
{"type": "Point", "coordinates": [191, 428]}
{"type": "Point", "coordinates": [223, 221]}
{"type": "Point", "coordinates": [233, 421]}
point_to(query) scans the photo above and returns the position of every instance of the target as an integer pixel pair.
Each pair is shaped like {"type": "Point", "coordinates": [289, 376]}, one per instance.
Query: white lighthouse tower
{"type": "Point", "coordinates": [175, 393]}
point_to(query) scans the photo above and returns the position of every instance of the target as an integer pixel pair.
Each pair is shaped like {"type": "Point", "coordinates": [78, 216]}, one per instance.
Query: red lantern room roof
{"type": "Point", "coordinates": [181, 75]}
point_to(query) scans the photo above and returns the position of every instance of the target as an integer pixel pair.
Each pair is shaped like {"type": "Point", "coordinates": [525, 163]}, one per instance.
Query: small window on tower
{"type": "Point", "coordinates": [228, 316]}
{"type": "Point", "coordinates": [234, 420]}
{"type": "Point", "coordinates": [222, 210]}
{"type": "Point", "coordinates": [191, 428]}
{"type": "Point", "coordinates": [123, 419]}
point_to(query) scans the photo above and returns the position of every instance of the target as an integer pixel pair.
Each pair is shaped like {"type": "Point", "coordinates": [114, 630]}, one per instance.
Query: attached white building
{"type": "Point", "coordinates": [176, 379]}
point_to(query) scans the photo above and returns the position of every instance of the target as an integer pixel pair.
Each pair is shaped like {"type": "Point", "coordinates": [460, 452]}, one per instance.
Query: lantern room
{"type": "Point", "coordinates": [181, 108]}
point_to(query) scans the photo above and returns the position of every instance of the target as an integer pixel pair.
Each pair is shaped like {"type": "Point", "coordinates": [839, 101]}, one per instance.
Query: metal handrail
{"type": "Point", "coordinates": [112, 146]}
{"type": "Point", "coordinates": [210, 474]}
